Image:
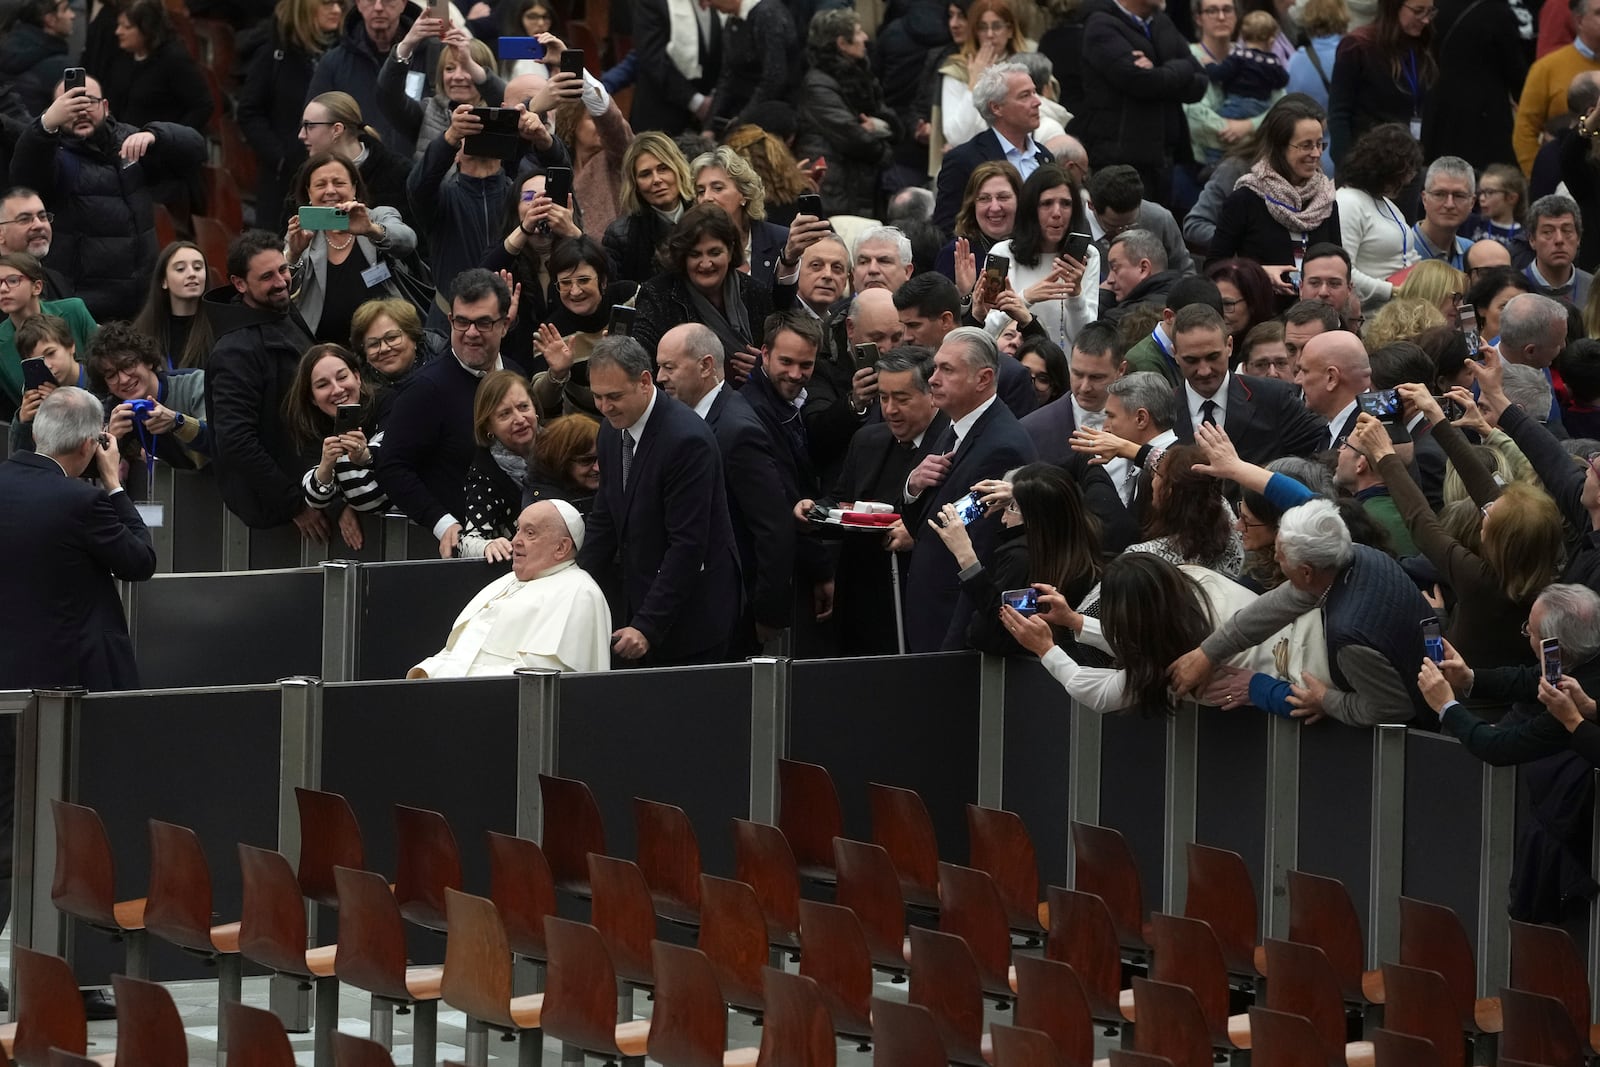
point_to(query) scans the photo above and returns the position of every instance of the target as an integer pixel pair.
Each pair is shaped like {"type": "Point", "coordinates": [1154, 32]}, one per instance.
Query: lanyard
{"type": "Point", "coordinates": [1388, 211]}
{"type": "Point", "coordinates": [1452, 257]}
{"type": "Point", "coordinates": [1411, 80]}
{"type": "Point", "coordinates": [1155, 335]}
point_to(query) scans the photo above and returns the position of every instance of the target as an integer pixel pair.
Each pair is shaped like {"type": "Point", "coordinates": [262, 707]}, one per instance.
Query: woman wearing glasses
{"type": "Point", "coordinates": [1217, 25]}
{"type": "Point", "coordinates": [1382, 73]}
{"type": "Point", "coordinates": [332, 123]}
{"type": "Point", "coordinates": [388, 335]}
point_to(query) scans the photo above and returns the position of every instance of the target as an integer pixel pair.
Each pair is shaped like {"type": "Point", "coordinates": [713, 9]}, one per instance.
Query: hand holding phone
{"type": "Point", "coordinates": [970, 508]}
{"type": "Point", "coordinates": [1381, 404]}
{"type": "Point", "coordinates": [866, 355]}
{"type": "Point", "coordinates": [1433, 640]}
{"type": "Point", "coordinates": [347, 417]}
{"type": "Point", "coordinates": [1026, 601]}
{"type": "Point", "coordinates": [621, 322]}
{"type": "Point", "coordinates": [1550, 660]}
{"type": "Point", "coordinates": [808, 204]}
{"type": "Point", "coordinates": [35, 373]}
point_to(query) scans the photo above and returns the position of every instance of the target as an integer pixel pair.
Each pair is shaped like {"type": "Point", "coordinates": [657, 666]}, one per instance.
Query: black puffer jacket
{"type": "Point", "coordinates": [631, 242]}
{"type": "Point", "coordinates": [106, 231]}
{"type": "Point", "coordinates": [352, 66]}
{"type": "Point", "coordinates": [32, 60]}
{"type": "Point", "coordinates": [270, 106]}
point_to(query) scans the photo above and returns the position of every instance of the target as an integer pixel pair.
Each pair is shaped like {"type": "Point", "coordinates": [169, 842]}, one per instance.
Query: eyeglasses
{"type": "Point", "coordinates": [1228, 306]}
{"type": "Point", "coordinates": [1525, 632]}
{"type": "Point", "coordinates": [1484, 510]}
{"type": "Point", "coordinates": [1491, 192]}
{"type": "Point", "coordinates": [1011, 508]}
{"type": "Point", "coordinates": [1318, 147]}
{"type": "Point", "coordinates": [587, 460]}
{"type": "Point", "coordinates": [1259, 365]}
{"type": "Point", "coordinates": [391, 339]}
{"type": "Point", "coordinates": [94, 100]}
{"type": "Point", "coordinates": [11, 281]}
{"type": "Point", "coordinates": [536, 16]}
{"type": "Point", "coordinates": [120, 370]}
{"type": "Point", "coordinates": [1248, 524]}
{"type": "Point", "coordinates": [1449, 196]}
{"type": "Point", "coordinates": [28, 218]}
{"type": "Point", "coordinates": [1423, 14]}
{"type": "Point", "coordinates": [1217, 12]}
{"type": "Point", "coordinates": [1040, 379]}
{"type": "Point", "coordinates": [483, 325]}
{"type": "Point", "coordinates": [103, 440]}
{"type": "Point", "coordinates": [306, 124]}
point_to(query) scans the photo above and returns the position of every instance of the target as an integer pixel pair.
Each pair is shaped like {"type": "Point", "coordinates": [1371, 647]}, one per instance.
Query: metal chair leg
{"type": "Point", "coordinates": [477, 1043]}
{"type": "Point", "coordinates": [425, 1034]}
{"type": "Point", "coordinates": [327, 1021]}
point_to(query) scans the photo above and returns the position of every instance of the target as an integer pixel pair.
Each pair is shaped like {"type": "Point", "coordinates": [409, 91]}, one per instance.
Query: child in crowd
{"type": "Point", "coordinates": [47, 338]}
{"type": "Point", "coordinates": [1251, 73]}
{"type": "Point", "coordinates": [1502, 203]}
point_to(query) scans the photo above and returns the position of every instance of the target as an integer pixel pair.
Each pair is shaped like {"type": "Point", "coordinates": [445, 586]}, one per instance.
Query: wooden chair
{"type": "Point", "coordinates": [763, 861]}
{"type": "Point", "coordinates": [215, 37]}
{"type": "Point", "coordinates": [1432, 938]}
{"type": "Point", "coordinates": [61, 1059]}
{"type": "Point", "coordinates": [1185, 952]}
{"type": "Point", "coordinates": [1322, 914]}
{"type": "Point", "coordinates": [372, 957]}
{"type": "Point", "coordinates": [523, 891]}
{"type": "Point", "coordinates": [689, 1024]}
{"type": "Point", "coordinates": [1392, 1049]}
{"type": "Point", "coordinates": [809, 817]}
{"type": "Point", "coordinates": [1303, 983]}
{"type": "Point", "coordinates": [1015, 1046]}
{"type": "Point", "coordinates": [1544, 960]}
{"type": "Point", "coordinates": [49, 1010]}
{"type": "Point", "coordinates": [329, 837]}
{"type": "Point", "coordinates": [223, 202]}
{"type": "Point", "coordinates": [904, 1035]}
{"type": "Point", "coordinates": [256, 1038]}
{"type": "Point", "coordinates": [668, 854]}
{"type": "Point", "coordinates": [427, 864]}
{"type": "Point", "coordinates": [868, 886]}
{"type": "Point", "coordinates": [84, 884]}
{"type": "Point", "coordinates": [580, 1006]}
{"type": "Point", "coordinates": [149, 1030]}
{"type": "Point", "coordinates": [1421, 1004]}
{"type": "Point", "coordinates": [834, 954]}
{"type": "Point", "coordinates": [572, 830]}
{"type": "Point", "coordinates": [272, 933]}
{"type": "Point", "coordinates": [1105, 866]}
{"type": "Point", "coordinates": [1170, 1024]}
{"type": "Point", "coordinates": [622, 911]}
{"type": "Point", "coordinates": [1539, 1030]}
{"type": "Point", "coordinates": [733, 936]}
{"type": "Point", "coordinates": [797, 1031]}
{"type": "Point", "coordinates": [356, 1051]}
{"type": "Point", "coordinates": [477, 981]}
{"type": "Point", "coordinates": [970, 907]}
{"type": "Point", "coordinates": [1050, 998]}
{"type": "Point", "coordinates": [166, 228]}
{"type": "Point", "coordinates": [1222, 895]}
{"type": "Point", "coordinates": [237, 155]}
{"type": "Point", "coordinates": [902, 827]}
{"type": "Point", "coordinates": [1083, 936]}
{"type": "Point", "coordinates": [1002, 849]}
{"type": "Point", "coordinates": [178, 910]}
{"type": "Point", "coordinates": [944, 979]}
{"type": "Point", "coordinates": [1279, 1039]}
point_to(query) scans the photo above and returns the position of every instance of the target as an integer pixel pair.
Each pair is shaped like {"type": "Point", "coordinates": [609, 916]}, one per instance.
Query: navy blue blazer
{"type": "Point", "coordinates": [995, 444]}
{"type": "Point", "coordinates": [663, 548]}
{"type": "Point", "coordinates": [1265, 419]}
{"type": "Point", "coordinates": [763, 522]}
{"type": "Point", "coordinates": [1051, 428]}
{"type": "Point", "coordinates": [63, 545]}
{"type": "Point", "coordinates": [957, 167]}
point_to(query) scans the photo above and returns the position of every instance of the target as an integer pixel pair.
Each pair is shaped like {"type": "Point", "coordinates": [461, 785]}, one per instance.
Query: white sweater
{"type": "Point", "coordinates": [1061, 319]}
{"type": "Point", "coordinates": [1380, 243]}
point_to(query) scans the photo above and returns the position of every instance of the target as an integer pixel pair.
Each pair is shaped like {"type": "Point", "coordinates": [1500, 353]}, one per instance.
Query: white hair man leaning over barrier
{"type": "Point", "coordinates": [546, 613]}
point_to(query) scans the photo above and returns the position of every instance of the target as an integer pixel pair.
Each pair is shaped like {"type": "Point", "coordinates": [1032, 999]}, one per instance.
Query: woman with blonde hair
{"type": "Point", "coordinates": [723, 177]}
{"type": "Point", "coordinates": [1438, 283]}
{"type": "Point", "coordinates": [655, 190]}
{"type": "Point", "coordinates": [1401, 319]}
{"type": "Point", "coordinates": [994, 36]}
{"type": "Point", "coordinates": [332, 122]}
{"type": "Point", "coordinates": [506, 427]}
{"type": "Point", "coordinates": [464, 74]}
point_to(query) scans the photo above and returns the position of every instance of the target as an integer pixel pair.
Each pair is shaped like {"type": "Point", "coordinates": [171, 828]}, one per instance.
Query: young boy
{"type": "Point", "coordinates": [46, 337]}
{"type": "Point", "coordinates": [1251, 73]}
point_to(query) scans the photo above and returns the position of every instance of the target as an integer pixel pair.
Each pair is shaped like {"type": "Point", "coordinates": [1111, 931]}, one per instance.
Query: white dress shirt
{"type": "Point", "coordinates": [1196, 401]}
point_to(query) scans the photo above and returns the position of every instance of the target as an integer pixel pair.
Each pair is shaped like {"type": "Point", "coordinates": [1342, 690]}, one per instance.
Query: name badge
{"type": "Point", "coordinates": [153, 512]}
{"type": "Point", "coordinates": [416, 82]}
{"type": "Point", "coordinates": [1416, 129]}
{"type": "Point", "coordinates": [376, 274]}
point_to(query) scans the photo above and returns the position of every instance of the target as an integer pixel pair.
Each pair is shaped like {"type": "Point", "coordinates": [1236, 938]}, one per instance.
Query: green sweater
{"type": "Point", "coordinates": [75, 311]}
{"type": "Point", "coordinates": [1380, 505]}
{"type": "Point", "coordinates": [1147, 356]}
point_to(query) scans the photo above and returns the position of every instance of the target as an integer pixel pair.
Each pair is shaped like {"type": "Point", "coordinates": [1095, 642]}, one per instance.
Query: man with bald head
{"type": "Point", "coordinates": [843, 385]}
{"type": "Point", "coordinates": [1485, 254]}
{"type": "Point", "coordinates": [546, 613]}
{"type": "Point", "coordinates": [1333, 370]}
{"type": "Point", "coordinates": [689, 368]}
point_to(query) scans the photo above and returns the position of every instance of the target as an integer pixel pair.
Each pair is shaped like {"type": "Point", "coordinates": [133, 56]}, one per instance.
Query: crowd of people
{"type": "Point", "coordinates": [1218, 351]}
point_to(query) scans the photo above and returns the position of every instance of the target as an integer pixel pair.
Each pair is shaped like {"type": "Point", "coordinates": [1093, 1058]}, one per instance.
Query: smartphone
{"type": "Point", "coordinates": [1452, 410]}
{"type": "Point", "coordinates": [1383, 404]}
{"type": "Point", "coordinates": [1467, 323]}
{"type": "Point", "coordinates": [996, 269]}
{"type": "Point", "coordinates": [441, 11]}
{"type": "Point", "coordinates": [1026, 601]}
{"type": "Point", "coordinates": [969, 508]}
{"type": "Point", "coordinates": [1550, 657]}
{"type": "Point", "coordinates": [35, 374]}
{"type": "Point", "coordinates": [324, 218]}
{"type": "Point", "coordinates": [1433, 639]}
{"type": "Point", "coordinates": [499, 139]}
{"type": "Point", "coordinates": [572, 61]}
{"type": "Point", "coordinates": [867, 356]}
{"type": "Point", "coordinates": [1077, 246]}
{"type": "Point", "coordinates": [621, 322]}
{"type": "Point", "coordinates": [72, 78]}
{"type": "Point", "coordinates": [1292, 277]}
{"type": "Point", "coordinates": [558, 185]}
{"type": "Point", "coordinates": [347, 418]}
{"type": "Point", "coordinates": [519, 48]}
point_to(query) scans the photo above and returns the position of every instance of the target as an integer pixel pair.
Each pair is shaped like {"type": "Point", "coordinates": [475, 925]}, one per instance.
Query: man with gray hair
{"type": "Point", "coordinates": [1009, 104]}
{"type": "Point", "coordinates": [882, 259]}
{"type": "Point", "coordinates": [1372, 620]}
{"type": "Point", "coordinates": [1555, 230]}
{"type": "Point", "coordinates": [983, 441]}
{"type": "Point", "coordinates": [1533, 331]}
{"type": "Point", "coordinates": [1069, 153]}
{"type": "Point", "coordinates": [1448, 193]}
{"type": "Point", "coordinates": [1139, 411]}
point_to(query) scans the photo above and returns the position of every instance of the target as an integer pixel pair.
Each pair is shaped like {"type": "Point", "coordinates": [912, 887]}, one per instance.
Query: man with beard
{"type": "Point", "coordinates": [97, 175]}
{"type": "Point", "coordinates": [25, 226]}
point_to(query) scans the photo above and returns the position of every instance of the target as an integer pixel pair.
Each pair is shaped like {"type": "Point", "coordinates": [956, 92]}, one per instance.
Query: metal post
{"type": "Point", "coordinates": [1495, 846]}
{"type": "Point", "coordinates": [1283, 820]}
{"type": "Point", "coordinates": [164, 491]}
{"type": "Point", "coordinates": [235, 542]}
{"type": "Point", "coordinates": [1387, 837]}
{"type": "Point", "coordinates": [1183, 753]}
{"type": "Point", "coordinates": [341, 620]}
{"type": "Point", "coordinates": [538, 722]}
{"type": "Point", "coordinates": [1083, 780]}
{"type": "Point", "coordinates": [1594, 911]}
{"type": "Point", "coordinates": [899, 604]}
{"type": "Point", "coordinates": [991, 731]}
{"type": "Point", "coordinates": [299, 764]}
{"type": "Point", "coordinates": [770, 698]}
{"type": "Point", "coordinates": [44, 773]}
{"type": "Point", "coordinates": [396, 537]}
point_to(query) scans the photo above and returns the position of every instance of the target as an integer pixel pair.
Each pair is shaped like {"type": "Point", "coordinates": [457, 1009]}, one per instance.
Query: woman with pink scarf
{"type": "Point", "coordinates": [1284, 203]}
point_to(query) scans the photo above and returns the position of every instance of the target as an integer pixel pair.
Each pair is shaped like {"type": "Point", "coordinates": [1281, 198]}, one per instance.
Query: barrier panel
{"type": "Point", "coordinates": [1231, 786]}
{"type": "Point", "coordinates": [1039, 765]}
{"type": "Point", "coordinates": [1133, 791]}
{"type": "Point", "coordinates": [406, 610]}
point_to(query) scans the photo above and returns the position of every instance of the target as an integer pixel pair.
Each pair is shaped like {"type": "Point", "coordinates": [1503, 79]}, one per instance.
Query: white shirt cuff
{"type": "Point", "coordinates": [442, 525]}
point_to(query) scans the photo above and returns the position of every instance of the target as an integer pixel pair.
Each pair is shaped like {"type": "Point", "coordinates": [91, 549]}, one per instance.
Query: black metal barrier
{"type": "Point", "coordinates": [1231, 785]}
{"type": "Point", "coordinates": [1133, 792]}
{"type": "Point", "coordinates": [1038, 761]}
{"type": "Point", "coordinates": [1336, 787]}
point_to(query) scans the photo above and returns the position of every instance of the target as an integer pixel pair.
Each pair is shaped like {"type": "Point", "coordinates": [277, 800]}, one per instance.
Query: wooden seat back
{"type": "Point", "coordinates": [352, 1051]}
{"type": "Point", "coordinates": [1393, 1049]}
{"type": "Point", "coordinates": [49, 1008]}
{"type": "Point", "coordinates": [1433, 939]}
{"type": "Point", "coordinates": [372, 935]}
{"type": "Point", "coordinates": [178, 907]}
{"type": "Point", "coordinates": [1281, 1039]}
{"type": "Point", "coordinates": [625, 916]}
{"type": "Point", "coordinates": [1170, 1024]}
{"type": "Point", "coordinates": [970, 907]}
{"type": "Point", "coordinates": [904, 1035]}
{"type": "Point", "coordinates": [668, 854]}
{"type": "Point", "coordinates": [1017, 1046]}
{"type": "Point", "coordinates": [1083, 936]}
{"type": "Point", "coordinates": [84, 884]}
{"type": "Point", "coordinates": [272, 921]}
{"type": "Point", "coordinates": [763, 860]}
{"type": "Point", "coordinates": [1420, 1003]}
{"type": "Point", "coordinates": [1322, 914]}
{"type": "Point", "coordinates": [1303, 983]}
{"type": "Point", "coordinates": [797, 1031]}
{"type": "Point", "coordinates": [1545, 960]}
{"type": "Point", "coordinates": [1104, 865]}
{"type": "Point", "coordinates": [1538, 1029]}
{"type": "Point", "coordinates": [733, 935]}
{"type": "Point", "coordinates": [329, 837]}
{"type": "Point", "coordinates": [149, 1029]}
{"type": "Point", "coordinates": [523, 891]}
{"type": "Point", "coordinates": [809, 815]}
{"type": "Point", "coordinates": [834, 954]}
{"type": "Point", "coordinates": [1185, 952]}
{"type": "Point", "coordinates": [869, 887]}
{"type": "Point", "coordinates": [256, 1038]}
{"type": "Point", "coordinates": [580, 992]}
{"type": "Point", "coordinates": [688, 1023]}
{"type": "Point", "coordinates": [1002, 849]}
{"type": "Point", "coordinates": [477, 960]}
{"type": "Point", "coordinates": [902, 827]}
{"type": "Point", "coordinates": [572, 830]}
{"type": "Point", "coordinates": [944, 979]}
{"type": "Point", "coordinates": [427, 864]}
{"type": "Point", "coordinates": [1222, 895]}
{"type": "Point", "coordinates": [1050, 998]}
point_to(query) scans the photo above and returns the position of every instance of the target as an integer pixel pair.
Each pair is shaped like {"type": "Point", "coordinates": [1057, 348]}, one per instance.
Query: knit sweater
{"type": "Point", "coordinates": [1380, 242]}
{"type": "Point", "coordinates": [1544, 94]}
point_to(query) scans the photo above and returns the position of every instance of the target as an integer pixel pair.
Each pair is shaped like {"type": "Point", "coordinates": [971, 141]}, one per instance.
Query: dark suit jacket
{"type": "Point", "coordinates": [1014, 385]}
{"type": "Point", "coordinates": [957, 167]}
{"type": "Point", "coordinates": [763, 523]}
{"type": "Point", "coordinates": [664, 547]}
{"type": "Point", "coordinates": [995, 444]}
{"type": "Point", "coordinates": [1265, 420]}
{"type": "Point", "coordinates": [63, 544]}
{"type": "Point", "coordinates": [1051, 428]}
{"type": "Point", "coordinates": [661, 97]}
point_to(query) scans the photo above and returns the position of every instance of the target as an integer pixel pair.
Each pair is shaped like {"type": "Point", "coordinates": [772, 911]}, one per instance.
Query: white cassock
{"type": "Point", "coordinates": [559, 620]}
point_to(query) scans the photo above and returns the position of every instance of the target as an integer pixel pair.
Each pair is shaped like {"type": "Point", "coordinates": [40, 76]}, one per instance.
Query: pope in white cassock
{"type": "Point", "coordinates": [547, 612]}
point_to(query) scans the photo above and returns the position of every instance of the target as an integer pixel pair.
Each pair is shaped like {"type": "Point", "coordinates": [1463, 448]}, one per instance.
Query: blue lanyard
{"type": "Point", "coordinates": [1453, 257]}
{"type": "Point", "coordinates": [1389, 212]}
{"type": "Point", "coordinates": [1411, 79]}
{"type": "Point", "coordinates": [1155, 335]}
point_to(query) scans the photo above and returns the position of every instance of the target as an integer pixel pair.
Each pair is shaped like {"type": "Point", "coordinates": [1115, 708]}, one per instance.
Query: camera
{"type": "Point", "coordinates": [141, 409]}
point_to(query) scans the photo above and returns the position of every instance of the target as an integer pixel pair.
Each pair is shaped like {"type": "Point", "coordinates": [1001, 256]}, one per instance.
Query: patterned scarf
{"type": "Point", "coordinates": [1298, 209]}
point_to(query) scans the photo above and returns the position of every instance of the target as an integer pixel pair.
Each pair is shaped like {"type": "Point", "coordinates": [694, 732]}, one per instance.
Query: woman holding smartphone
{"type": "Point", "coordinates": [1049, 256]}
{"type": "Point", "coordinates": [331, 406]}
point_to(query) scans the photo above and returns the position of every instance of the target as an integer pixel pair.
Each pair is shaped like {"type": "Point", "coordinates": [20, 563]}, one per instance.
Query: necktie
{"type": "Point", "coordinates": [1130, 484]}
{"type": "Point", "coordinates": [1208, 412]}
{"type": "Point", "coordinates": [947, 441]}
{"type": "Point", "coordinates": [627, 457]}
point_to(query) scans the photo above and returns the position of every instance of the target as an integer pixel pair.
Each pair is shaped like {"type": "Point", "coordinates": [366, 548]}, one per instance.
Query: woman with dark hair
{"type": "Point", "coordinates": [576, 321]}
{"type": "Point", "coordinates": [534, 226]}
{"type": "Point", "coordinates": [526, 18]}
{"type": "Point", "coordinates": [1446, 350]}
{"type": "Point", "coordinates": [843, 116]}
{"type": "Point", "coordinates": [656, 190]}
{"type": "Point", "coordinates": [151, 77]}
{"type": "Point", "coordinates": [1050, 281]}
{"type": "Point", "coordinates": [1489, 294]}
{"type": "Point", "coordinates": [1382, 73]}
{"type": "Point", "coordinates": [1246, 294]}
{"type": "Point", "coordinates": [567, 467]}
{"type": "Point", "coordinates": [1189, 521]}
{"type": "Point", "coordinates": [1382, 164]}
{"type": "Point", "coordinates": [331, 266]}
{"type": "Point", "coordinates": [171, 313]}
{"type": "Point", "coordinates": [700, 281]}
{"type": "Point", "coordinates": [1050, 537]}
{"type": "Point", "coordinates": [328, 379]}
{"type": "Point", "coordinates": [987, 215]}
{"type": "Point", "coordinates": [1044, 360]}
{"type": "Point", "coordinates": [507, 428]}
{"type": "Point", "coordinates": [1283, 204]}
